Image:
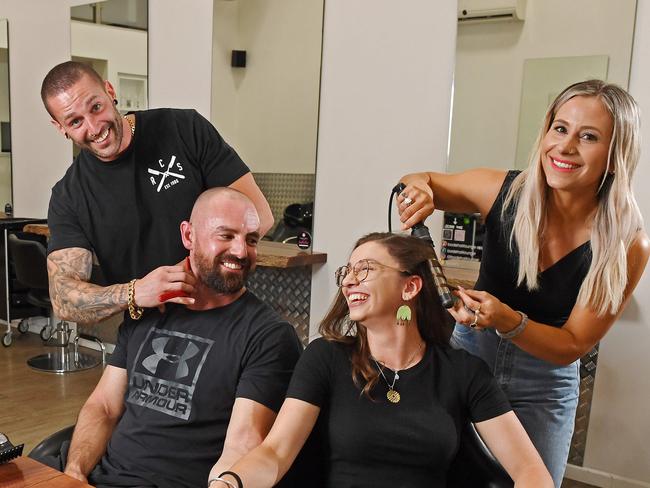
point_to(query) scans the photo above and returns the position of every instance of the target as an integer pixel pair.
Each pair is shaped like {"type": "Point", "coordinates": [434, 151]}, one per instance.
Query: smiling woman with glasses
{"type": "Point", "coordinates": [385, 393]}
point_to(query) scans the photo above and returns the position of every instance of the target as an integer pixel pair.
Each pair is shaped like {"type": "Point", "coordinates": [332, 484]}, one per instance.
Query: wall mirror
{"type": "Point", "coordinates": [265, 94]}
{"type": "Point", "coordinates": [507, 72]}
{"type": "Point", "coordinates": [5, 126]}
{"type": "Point", "coordinates": [111, 36]}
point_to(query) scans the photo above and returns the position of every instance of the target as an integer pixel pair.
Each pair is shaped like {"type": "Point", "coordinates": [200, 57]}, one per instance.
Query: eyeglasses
{"type": "Point", "coordinates": [361, 270]}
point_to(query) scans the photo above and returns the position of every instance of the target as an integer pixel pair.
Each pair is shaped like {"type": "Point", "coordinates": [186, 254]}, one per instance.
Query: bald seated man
{"type": "Point", "coordinates": [194, 384]}
{"type": "Point", "coordinates": [135, 179]}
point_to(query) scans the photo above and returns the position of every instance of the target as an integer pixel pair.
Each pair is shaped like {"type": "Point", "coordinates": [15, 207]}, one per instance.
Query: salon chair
{"type": "Point", "coordinates": [30, 265]}
{"type": "Point", "coordinates": [475, 466]}
{"type": "Point", "coordinates": [51, 445]}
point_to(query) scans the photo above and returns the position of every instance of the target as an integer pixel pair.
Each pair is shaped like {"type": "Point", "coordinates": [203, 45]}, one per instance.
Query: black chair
{"type": "Point", "coordinates": [475, 466]}
{"type": "Point", "coordinates": [30, 265]}
{"type": "Point", "coordinates": [51, 445]}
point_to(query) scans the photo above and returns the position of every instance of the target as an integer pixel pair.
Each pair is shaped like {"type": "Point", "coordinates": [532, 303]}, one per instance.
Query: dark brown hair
{"type": "Point", "coordinates": [433, 322]}
{"type": "Point", "coordinates": [63, 76]}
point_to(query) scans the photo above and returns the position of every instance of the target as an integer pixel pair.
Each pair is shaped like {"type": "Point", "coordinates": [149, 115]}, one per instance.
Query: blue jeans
{"type": "Point", "coordinates": [543, 396]}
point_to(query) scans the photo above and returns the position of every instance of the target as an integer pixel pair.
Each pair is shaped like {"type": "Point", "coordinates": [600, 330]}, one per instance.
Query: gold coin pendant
{"type": "Point", "coordinates": [393, 396]}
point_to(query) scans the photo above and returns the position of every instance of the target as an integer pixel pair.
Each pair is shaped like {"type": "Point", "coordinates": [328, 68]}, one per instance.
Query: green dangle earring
{"type": "Point", "coordinates": [403, 316]}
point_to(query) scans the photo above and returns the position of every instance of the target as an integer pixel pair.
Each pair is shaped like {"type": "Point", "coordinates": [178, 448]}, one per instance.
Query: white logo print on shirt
{"type": "Point", "coordinates": [166, 370]}
{"type": "Point", "coordinates": [164, 182]}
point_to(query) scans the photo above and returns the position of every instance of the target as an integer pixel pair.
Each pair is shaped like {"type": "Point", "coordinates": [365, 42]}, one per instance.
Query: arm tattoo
{"type": "Point", "coordinates": [73, 298]}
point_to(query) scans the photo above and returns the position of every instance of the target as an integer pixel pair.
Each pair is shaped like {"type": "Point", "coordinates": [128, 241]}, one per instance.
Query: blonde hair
{"type": "Point", "coordinates": [618, 218]}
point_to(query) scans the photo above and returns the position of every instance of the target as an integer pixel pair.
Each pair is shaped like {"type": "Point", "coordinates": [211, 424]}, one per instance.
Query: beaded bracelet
{"type": "Point", "coordinates": [135, 312]}
{"type": "Point", "coordinates": [517, 330]}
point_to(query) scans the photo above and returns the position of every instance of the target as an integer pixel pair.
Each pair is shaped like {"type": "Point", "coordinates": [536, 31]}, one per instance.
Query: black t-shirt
{"type": "Point", "coordinates": [185, 368]}
{"type": "Point", "coordinates": [551, 303]}
{"type": "Point", "coordinates": [128, 211]}
{"type": "Point", "coordinates": [374, 443]}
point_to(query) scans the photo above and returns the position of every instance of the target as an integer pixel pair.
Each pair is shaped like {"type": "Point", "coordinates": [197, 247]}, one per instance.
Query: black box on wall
{"type": "Point", "coordinates": [238, 59]}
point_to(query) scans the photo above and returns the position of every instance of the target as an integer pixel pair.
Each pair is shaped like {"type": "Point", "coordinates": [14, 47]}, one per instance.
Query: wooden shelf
{"type": "Point", "coordinates": [269, 254]}
{"type": "Point", "coordinates": [278, 255]}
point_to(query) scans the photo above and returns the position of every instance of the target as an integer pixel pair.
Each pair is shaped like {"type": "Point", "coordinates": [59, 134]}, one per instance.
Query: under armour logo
{"type": "Point", "coordinates": [165, 174]}
{"type": "Point", "coordinates": [158, 345]}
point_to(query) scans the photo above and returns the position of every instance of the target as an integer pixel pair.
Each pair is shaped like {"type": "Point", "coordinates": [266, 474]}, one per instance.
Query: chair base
{"type": "Point", "coordinates": [63, 362]}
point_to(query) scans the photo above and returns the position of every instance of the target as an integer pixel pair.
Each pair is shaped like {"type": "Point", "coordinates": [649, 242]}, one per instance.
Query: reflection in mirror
{"type": "Point", "coordinates": [266, 103]}
{"type": "Point", "coordinates": [5, 127]}
{"type": "Point", "coordinates": [111, 36]}
{"type": "Point", "coordinates": [507, 73]}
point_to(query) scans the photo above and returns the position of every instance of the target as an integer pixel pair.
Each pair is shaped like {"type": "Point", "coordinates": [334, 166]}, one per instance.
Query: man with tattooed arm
{"type": "Point", "coordinates": [135, 179]}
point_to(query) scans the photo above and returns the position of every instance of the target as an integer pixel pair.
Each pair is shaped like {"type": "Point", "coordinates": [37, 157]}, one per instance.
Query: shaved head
{"type": "Point", "coordinates": [213, 198]}
{"type": "Point", "coordinates": [222, 237]}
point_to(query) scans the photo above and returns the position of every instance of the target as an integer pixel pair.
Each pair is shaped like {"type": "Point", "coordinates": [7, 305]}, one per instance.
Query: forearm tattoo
{"type": "Point", "coordinates": [73, 298]}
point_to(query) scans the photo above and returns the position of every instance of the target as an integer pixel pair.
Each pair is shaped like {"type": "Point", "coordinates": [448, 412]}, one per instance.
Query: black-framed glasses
{"type": "Point", "coordinates": [361, 270]}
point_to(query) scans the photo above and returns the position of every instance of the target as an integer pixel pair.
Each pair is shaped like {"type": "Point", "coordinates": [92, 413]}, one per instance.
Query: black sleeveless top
{"type": "Point", "coordinates": [559, 285]}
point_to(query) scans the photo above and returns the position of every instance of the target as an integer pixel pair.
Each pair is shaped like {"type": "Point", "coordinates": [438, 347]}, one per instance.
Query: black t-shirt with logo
{"type": "Point", "coordinates": [185, 368]}
{"type": "Point", "coordinates": [373, 443]}
{"type": "Point", "coordinates": [128, 211]}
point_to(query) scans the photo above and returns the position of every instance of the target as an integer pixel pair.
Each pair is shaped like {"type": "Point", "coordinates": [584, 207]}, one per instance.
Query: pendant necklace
{"type": "Point", "coordinates": [392, 394]}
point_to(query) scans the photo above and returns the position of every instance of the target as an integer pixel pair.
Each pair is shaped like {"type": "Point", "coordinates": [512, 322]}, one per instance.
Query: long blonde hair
{"type": "Point", "coordinates": [618, 218]}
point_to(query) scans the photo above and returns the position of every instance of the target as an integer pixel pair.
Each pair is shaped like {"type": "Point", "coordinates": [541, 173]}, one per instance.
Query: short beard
{"type": "Point", "coordinates": [223, 282]}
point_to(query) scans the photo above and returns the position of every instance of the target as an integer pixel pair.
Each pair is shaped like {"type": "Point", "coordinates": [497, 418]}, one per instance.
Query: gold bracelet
{"type": "Point", "coordinates": [134, 311]}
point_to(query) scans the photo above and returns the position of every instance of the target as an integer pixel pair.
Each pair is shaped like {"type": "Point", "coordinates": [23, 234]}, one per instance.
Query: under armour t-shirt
{"type": "Point", "coordinates": [185, 368]}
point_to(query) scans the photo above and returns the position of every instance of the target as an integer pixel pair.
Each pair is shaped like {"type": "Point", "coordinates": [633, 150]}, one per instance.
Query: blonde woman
{"type": "Point", "coordinates": [563, 251]}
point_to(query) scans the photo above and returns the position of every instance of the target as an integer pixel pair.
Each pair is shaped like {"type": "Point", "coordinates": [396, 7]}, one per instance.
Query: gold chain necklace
{"type": "Point", "coordinates": [392, 394]}
{"type": "Point", "coordinates": [130, 122]}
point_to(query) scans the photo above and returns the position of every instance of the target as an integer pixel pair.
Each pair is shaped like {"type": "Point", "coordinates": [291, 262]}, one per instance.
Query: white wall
{"type": "Point", "coordinates": [225, 80]}
{"type": "Point", "coordinates": [180, 54]}
{"type": "Point", "coordinates": [489, 69]}
{"type": "Point", "coordinates": [618, 440]}
{"type": "Point", "coordinates": [385, 102]}
{"type": "Point", "coordinates": [269, 110]}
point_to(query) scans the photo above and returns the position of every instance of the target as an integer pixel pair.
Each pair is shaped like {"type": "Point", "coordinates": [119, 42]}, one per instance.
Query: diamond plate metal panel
{"type": "Point", "coordinates": [288, 292]}
{"type": "Point", "coordinates": [283, 189]}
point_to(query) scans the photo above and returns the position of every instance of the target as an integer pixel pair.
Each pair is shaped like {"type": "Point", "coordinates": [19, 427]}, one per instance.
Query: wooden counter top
{"type": "Point", "coordinates": [24, 472]}
{"type": "Point", "coordinates": [278, 255]}
{"type": "Point", "coordinates": [269, 254]}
